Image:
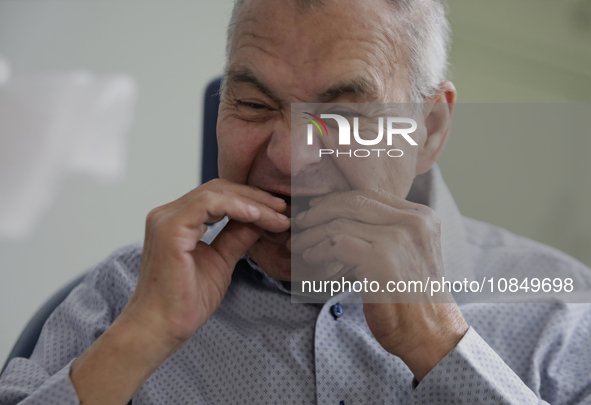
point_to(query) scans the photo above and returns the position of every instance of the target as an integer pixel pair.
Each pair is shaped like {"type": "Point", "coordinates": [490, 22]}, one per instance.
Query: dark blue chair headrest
{"type": "Point", "coordinates": [209, 162]}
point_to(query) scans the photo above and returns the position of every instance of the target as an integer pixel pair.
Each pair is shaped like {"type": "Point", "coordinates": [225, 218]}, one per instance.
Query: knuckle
{"type": "Point", "coordinates": [424, 221]}
{"type": "Point", "coordinates": [430, 216]}
{"type": "Point", "coordinates": [158, 222]}
{"type": "Point", "coordinates": [215, 183]}
{"type": "Point", "coordinates": [357, 206]}
{"type": "Point", "coordinates": [206, 197]}
{"type": "Point", "coordinates": [417, 221]}
{"type": "Point", "coordinates": [377, 192]}
{"type": "Point", "coordinates": [335, 227]}
{"type": "Point", "coordinates": [154, 216]}
{"type": "Point", "coordinates": [359, 201]}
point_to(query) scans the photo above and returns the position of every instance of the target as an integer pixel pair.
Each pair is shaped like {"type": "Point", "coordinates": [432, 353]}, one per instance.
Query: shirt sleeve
{"type": "Point", "coordinates": [72, 327]}
{"type": "Point", "coordinates": [473, 373]}
{"type": "Point", "coordinates": [26, 383]}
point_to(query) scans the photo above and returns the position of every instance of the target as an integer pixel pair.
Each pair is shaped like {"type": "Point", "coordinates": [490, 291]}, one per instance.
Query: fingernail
{"type": "Point", "coordinates": [253, 210]}
{"type": "Point", "coordinates": [281, 216]}
{"type": "Point", "coordinates": [314, 200]}
{"type": "Point", "coordinates": [301, 215]}
{"type": "Point", "coordinates": [277, 199]}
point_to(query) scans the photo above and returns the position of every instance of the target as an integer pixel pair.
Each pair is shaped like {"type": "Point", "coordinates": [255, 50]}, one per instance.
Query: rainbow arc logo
{"type": "Point", "coordinates": [316, 123]}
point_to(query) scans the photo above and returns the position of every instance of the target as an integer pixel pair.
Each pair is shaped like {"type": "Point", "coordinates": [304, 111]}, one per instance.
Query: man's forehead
{"type": "Point", "coordinates": [297, 30]}
{"type": "Point", "coordinates": [357, 86]}
{"type": "Point", "coordinates": [341, 46]}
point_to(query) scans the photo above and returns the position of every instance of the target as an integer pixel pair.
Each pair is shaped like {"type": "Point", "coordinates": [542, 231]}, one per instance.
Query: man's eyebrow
{"type": "Point", "coordinates": [246, 76]}
{"type": "Point", "coordinates": [358, 87]}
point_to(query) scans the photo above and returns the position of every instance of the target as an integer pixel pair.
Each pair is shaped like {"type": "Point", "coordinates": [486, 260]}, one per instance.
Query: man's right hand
{"type": "Point", "coordinates": [182, 281]}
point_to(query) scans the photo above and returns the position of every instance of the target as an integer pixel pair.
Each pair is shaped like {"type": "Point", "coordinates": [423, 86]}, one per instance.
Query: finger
{"type": "Point", "coordinates": [210, 207]}
{"type": "Point", "coordinates": [367, 261]}
{"type": "Point", "coordinates": [235, 239]}
{"type": "Point", "coordinates": [228, 187]}
{"type": "Point", "coordinates": [370, 206]}
{"type": "Point", "coordinates": [256, 194]}
{"type": "Point", "coordinates": [353, 206]}
{"type": "Point", "coordinates": [378, 195]}
{"type": "Point", "coordinates": [348, 250]}
{"type": "Point", "coordinates": [314, 236]}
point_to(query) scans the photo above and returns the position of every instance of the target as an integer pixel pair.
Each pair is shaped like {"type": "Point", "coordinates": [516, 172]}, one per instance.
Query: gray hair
{"type": "Point", "coordinates": [425, 34]}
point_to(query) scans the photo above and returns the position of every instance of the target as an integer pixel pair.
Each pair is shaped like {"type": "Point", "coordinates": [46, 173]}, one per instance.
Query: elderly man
{"type": "Point", "coordinates": [205, 316]}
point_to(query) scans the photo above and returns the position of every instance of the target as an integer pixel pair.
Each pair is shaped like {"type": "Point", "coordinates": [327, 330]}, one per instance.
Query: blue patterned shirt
{"type": "Point", "coordinates": [260, 348]}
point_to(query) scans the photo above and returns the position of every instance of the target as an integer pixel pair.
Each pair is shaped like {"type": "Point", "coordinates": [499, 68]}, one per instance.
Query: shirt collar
{"type": "Point", "coordinates": [430, 189]}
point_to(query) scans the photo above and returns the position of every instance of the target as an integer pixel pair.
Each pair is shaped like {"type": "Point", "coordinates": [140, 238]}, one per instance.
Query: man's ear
{"type": "Point", "coordinates": [438, 111]}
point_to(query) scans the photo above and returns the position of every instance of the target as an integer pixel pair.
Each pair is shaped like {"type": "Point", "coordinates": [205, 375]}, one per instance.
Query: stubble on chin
{"type": "Point", "coordinates": [272, 258]}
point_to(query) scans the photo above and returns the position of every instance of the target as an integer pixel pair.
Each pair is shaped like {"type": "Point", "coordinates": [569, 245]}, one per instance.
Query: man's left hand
{"type": "Point", "coordinates": [382, 237]}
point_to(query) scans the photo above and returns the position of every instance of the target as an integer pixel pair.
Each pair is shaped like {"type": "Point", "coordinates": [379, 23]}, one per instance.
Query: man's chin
{"type": "Point", "coordinates": [272, 255]}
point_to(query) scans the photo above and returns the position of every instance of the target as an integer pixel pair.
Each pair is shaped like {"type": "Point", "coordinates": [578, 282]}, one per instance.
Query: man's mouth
{"type": "Point", "coordinates": [295, 205]}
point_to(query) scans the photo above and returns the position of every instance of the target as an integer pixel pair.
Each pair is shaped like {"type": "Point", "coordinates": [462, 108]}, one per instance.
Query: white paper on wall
{"type": "Point", "coordinates": [52, 125]}
{"type": "Point", "coordinates": [4, 70]}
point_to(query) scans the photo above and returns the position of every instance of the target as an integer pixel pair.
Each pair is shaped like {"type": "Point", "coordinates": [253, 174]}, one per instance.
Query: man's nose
{"type": "Point", "coordinates": [289, 151]}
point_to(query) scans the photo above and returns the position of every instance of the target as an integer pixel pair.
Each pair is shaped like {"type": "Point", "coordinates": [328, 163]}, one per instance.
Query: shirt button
{"type": "Point", "coordinates": [336, 311]}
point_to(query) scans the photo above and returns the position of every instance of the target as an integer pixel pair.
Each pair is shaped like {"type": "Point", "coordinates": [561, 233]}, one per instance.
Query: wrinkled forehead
{"type": "Point", "coordinates": [304, 49]}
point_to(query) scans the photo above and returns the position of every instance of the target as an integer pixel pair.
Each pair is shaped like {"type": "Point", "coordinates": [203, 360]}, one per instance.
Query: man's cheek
{"type": "Point", "coordinates": [238, 145]}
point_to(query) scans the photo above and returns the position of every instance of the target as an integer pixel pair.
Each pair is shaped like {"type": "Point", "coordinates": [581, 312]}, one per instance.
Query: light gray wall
{"type": "Point", "coordinates": [533, 181]}
{"type": "Point", "coordinates": [504, 51]}
{"type": "Point", "coordinates": [172, 48]}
